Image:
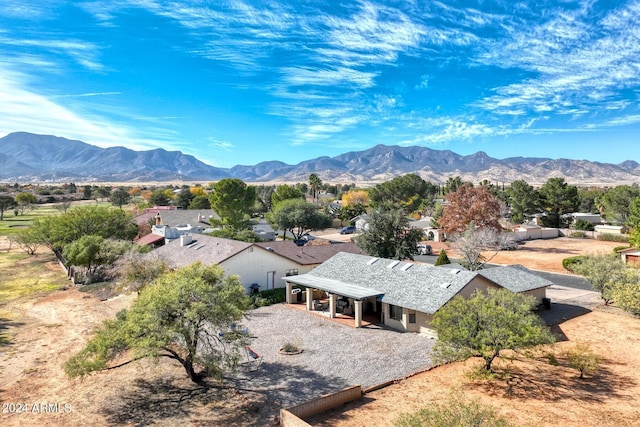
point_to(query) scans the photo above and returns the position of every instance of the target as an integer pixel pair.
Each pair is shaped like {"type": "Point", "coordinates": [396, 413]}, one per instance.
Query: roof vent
{"type": "Point", "coordinates": [372, 261]}
{"type": "Point", "coordinates": [269, 248]}
{"type": "Point", "coordinates": [445, 285]}
{"type": "Point", "coordinates": [454, 271]}
{"type": "Point", "coordinates": [393, 264]}
{"type": "Point", "coordinates": [406, 267]}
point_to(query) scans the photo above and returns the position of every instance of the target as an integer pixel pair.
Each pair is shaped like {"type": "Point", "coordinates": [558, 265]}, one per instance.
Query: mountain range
{"type": "Point", "coordinates": [27, 157]}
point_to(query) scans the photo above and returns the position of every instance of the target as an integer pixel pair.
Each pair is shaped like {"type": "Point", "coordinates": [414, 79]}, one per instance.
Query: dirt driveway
{"type": "Point", "coordinates": [547, 255]}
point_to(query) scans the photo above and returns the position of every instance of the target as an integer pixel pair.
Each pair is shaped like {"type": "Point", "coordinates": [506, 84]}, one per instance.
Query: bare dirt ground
{"type": "Point", "coordinates": [42, 333]}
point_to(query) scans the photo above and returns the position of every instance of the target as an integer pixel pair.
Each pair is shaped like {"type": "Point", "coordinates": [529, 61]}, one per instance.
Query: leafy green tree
{"type": "Point", "coordinates": [135, 271]}
{"type": "Point", "coordinates": [634, 222]}
{"type": "Point", "coordinates": [557, 198]}
{"type": "Point", "coordinates": [298, 217]}
{"type": "Point", "coordinates": [56, 231]}
{"type": "Point", "coordinates": [87, 192]}
{"type": "Point", "coordinates": [185, 197]}
{"type": "Point", "coordinates": [159, 197]}
{"type": "Point", "coordinates": [588, 197]}
{"type": "Point", "coordinates": [582, 358]}
{"type": "Point", "coordinates": [6, 203]}
{"type": "Point", "coordinates": [625, 290]}
{"type": "Point", "coordinates": [242, 235]}
{"type": "Point", "coordinates": [582, 224]}
{"type": "Point", "coordinates": [485, 324]}
{"type": "Point", "coordinates": [200, 202]}
{"type": "Point", "coordinates": [470, 205]}
{"type": "Point", "coordinates": [616, 202]}
{"type": "Point", "coordinates": [95, 254]}
{"type": "Point", "coordinates": [25, 201]}
{"type": "Point", "coordinates": [102, 192]}
{"type": "Point", "coordinates": [442, 258]}
{"type": "Point", "coordinates": [601, 271]}
{"type": "Point", "coordinates": [523, 200]}
{"type": "Point", "coordinates": [410, 192]}
{"type": "Point", "coordinates": [120, 197]}
{"type": "Point", "coordinates": [233, 200]}
{"type": "Point", "coordinates": [388, 235]}
{"type": "Point", "coordinates": [187, 315]}
{"type": "Point", "coordinates": [285, 192]}
{"type": "Point", "coordinates": [263, 197]}
{"type": "Point", "coordinates": [454, 412]}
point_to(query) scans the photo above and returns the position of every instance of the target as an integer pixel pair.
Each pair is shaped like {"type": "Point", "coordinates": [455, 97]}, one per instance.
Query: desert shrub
{"type": "Point", "coordinates": [578, 234]}
{"type": "Point", "coordinates": [582, 224]}
{"type": "Point", "coordinates": [442, 258]}
{"type": "Point", "coordinates": [454, 412]}
{"type": "Point", "coordinates": [582, 358]}
{"type": "Point", "coordinates": [619, 248]}
{"type": "Point", "coordinates": [569, 263]}
{"type": "Point", "coordinates": [607, 237]}
{"type": "Point", "coordinates": [268, 297]}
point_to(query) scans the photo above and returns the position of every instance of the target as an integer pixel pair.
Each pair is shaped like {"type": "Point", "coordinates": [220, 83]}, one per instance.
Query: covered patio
{"type": "Point", "coordinates": [347, 292]}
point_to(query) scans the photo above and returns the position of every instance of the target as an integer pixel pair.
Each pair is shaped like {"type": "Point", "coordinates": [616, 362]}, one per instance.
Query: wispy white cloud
{"type": "Point", "coordinates": [581, 65]}
{"type": "Point", "coordinates": [23, 109]}
{"type": "Point", "coordinates": [84, 53]}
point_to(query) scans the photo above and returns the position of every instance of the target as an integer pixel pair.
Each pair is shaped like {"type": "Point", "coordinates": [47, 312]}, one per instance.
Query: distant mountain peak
{"type": "Point", "coordinates": [30, 157]}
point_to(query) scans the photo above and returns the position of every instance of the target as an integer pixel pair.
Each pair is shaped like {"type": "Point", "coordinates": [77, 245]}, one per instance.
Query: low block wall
{"type": "Point", "coordinates": [293, 416]}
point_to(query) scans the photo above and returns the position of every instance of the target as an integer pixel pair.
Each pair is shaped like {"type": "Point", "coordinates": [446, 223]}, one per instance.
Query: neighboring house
{"type": "Point", "coordinates": [431, 233]}
{"type": "Point", "coordinates": [152, 240]}
{"type": "Point", "coordinates": [182, 217]}
{"type": "Point", "coordinates": [404, 296]}
{"type": "Point", "coordinates": [171, 224]}
{"type": "Point", "coordinates": [609, 229]}
{"type": "Point", "coordinates": [630, 256]}
{"type": "Point", "coordinates": [593, 219]}
{"type": "Point", "coordinates": [534, 231]}
{"type": "Point", "coordinates": [259, 265]}
{"type": "Point", "coordinates": [361, 222]}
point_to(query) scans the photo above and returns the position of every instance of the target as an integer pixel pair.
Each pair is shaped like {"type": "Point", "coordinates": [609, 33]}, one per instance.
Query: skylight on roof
{"type": "Point", "coordinates": [406, 267]}
{"type": "Point", "coordinates": [393, 264]}
{"type": "Point", "coordinates": [372, 261]}
{"type": "Point", "coordinates": [454, 271]}
{"type": "Point", "coordinates": [445, 285]}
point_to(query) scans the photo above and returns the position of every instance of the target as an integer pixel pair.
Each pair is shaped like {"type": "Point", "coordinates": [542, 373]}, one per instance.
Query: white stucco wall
{"type": "Point", "coordinates": [254, 264]}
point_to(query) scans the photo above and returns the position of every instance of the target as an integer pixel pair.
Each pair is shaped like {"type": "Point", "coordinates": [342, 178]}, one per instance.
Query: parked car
{"type": "Point", "coordinates": [424, 249]}
{"type": "Point", "coordinates": [350, 229]}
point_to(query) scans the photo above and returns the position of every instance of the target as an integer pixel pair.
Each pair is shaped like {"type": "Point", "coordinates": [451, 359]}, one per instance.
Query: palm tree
{"type": "Point", "coordinates": [314, 184]}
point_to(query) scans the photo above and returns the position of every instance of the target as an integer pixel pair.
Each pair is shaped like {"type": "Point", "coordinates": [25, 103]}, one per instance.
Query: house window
{"type": "Point", "coordinates": [395, 312]}
{"type": "Point", "coordinates": [412, 316]}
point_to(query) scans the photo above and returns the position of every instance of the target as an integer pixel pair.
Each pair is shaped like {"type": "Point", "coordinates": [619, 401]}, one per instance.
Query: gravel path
{"type": "Point", "coordinates": [335, 356]}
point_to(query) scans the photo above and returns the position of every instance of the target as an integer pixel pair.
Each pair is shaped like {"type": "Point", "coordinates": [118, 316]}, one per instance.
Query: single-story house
{"type": "Point", "coordinates": [431, 233]}
{"type": "Point", "coordinates": [259, 265]}
{"type": "Point", "coordinates": [630, 256]}
{"type": "Point", "coordinates": [591, 218]}
{"type": "Point", "coordinates": [609, 229]}
{"type": "Point", "coordinates": [404, 295]}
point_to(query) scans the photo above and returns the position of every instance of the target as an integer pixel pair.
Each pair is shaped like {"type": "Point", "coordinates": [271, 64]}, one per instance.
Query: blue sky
{"type": "Point", "coordinates": [239, 82]}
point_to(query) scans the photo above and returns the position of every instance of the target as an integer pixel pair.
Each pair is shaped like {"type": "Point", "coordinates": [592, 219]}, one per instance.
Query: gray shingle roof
{"type": "Point", "coordinates": [206, 249]}
{"type": "Point", "coordinates": [309, 254]}
{"type": "Point", "coordinates": [176, 217]}
{"type": "Point", "coordinates": [516, 278]}
{"type": "Point", "coordinates": [415, 286]}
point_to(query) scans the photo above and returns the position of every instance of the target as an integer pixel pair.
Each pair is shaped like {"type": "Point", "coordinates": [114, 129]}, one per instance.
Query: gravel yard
{"type": "Point", "coordinates": [334, 356]}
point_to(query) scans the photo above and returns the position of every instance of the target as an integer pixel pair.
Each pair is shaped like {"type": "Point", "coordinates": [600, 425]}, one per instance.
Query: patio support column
{"type": "Point", "coordinates": [332, 305]}
{"type": "Point", "coordinates": [288, 292]}
{"type": "Point", "coordinates": [358, 312]}
{"type": "Point", "coordinates": [309, 299]}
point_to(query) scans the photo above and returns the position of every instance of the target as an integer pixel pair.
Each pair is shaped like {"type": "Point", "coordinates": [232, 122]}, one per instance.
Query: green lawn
{"type": "Point", "coordinates": [29, 275]}
{"type": "Point", "coordinates": [12, 224]}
